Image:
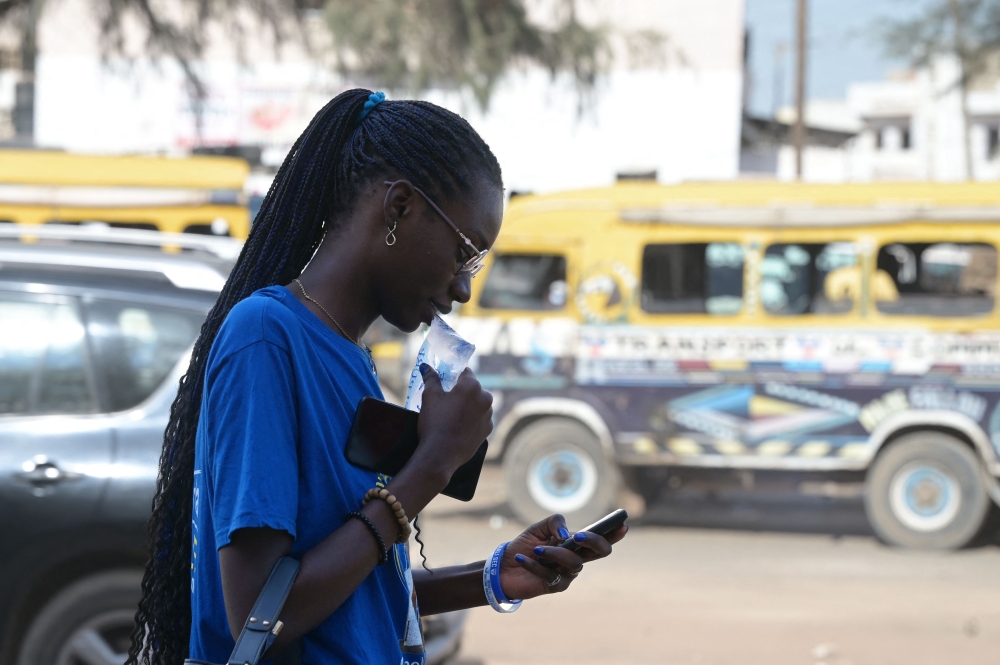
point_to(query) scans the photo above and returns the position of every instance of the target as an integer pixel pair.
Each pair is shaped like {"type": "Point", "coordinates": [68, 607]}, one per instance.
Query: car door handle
{"type": "Point", "coordinates": [42, 472]}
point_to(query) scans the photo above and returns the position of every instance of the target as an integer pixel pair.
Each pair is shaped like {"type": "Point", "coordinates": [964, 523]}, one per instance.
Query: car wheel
{"type": "Point", "coordinates": [926, 491]}
{"type": "Point", "coordinates": [87, 623]}
{"type": "Point", "coordinates": [557, 465]}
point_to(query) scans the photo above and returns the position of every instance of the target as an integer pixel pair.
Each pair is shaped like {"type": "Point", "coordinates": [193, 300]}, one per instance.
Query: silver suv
{"type": "Point", "coordinates": [95, 329]}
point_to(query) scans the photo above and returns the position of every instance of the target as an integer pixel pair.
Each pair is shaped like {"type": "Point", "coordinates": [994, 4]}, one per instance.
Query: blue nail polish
{"type": "Point", "coordinates": [563, 532]}
{"type": "Point", "coordinates": [580, 536]}
{"type": "Point", "coordinates": [519, 558]}
{"type": "Point", "coordinates": [539, 551]}
{"type": "Point", "coordinates": [424, 368]}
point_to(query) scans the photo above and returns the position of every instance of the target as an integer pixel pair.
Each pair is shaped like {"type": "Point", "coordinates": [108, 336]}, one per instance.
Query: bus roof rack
{"type": "Point", "coordinates": [805, 215]}
{"type": "Point", "coordinates": [220, 246]}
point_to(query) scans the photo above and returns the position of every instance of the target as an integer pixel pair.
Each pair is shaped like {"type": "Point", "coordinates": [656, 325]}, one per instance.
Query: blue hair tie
{"type": "Point", "coordinates": [374, 100]}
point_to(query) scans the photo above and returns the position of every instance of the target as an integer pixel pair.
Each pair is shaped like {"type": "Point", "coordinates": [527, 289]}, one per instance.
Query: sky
{"type": "Point", "coordinates": [844, 47]}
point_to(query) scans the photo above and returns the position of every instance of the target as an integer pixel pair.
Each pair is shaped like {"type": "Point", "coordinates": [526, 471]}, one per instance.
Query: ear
{"type": "Point", "coordinates": [398, 203]}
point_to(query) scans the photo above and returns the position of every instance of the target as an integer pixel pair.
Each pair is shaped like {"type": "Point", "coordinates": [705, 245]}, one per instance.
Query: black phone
{"type": "Point", "coordinates": [601, 527]}
{"type": "Point", "coordinates": [384, 436]}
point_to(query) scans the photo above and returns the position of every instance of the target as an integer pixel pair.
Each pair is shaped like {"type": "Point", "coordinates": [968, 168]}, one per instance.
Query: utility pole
{"type": "Point", "coordinates": [799, 131]}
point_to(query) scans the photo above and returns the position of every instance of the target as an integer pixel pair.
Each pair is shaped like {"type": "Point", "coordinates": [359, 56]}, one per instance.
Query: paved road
{"type": "Point", "coordinates": [752, 584]}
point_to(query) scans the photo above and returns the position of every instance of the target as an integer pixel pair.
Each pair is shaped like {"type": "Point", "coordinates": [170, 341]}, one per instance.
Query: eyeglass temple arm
{"type": "Point", "coordinates": [438, 211]}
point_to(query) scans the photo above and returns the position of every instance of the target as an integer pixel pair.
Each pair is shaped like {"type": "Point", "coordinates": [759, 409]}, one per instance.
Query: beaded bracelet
{"type": "Point", "coordinates": [395, 506]}
{"type": "Point", "coordinates": [383, 555]}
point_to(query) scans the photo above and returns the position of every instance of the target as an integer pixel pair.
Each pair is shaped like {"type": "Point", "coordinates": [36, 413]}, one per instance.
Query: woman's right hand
{"type": "Point", "coordinates": [452, 425]}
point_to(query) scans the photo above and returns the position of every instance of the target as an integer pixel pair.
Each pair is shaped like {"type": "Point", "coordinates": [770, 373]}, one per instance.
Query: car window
{"type": "Point", "coordinates": [43, 361]}
{"type": "Point", "coordinates": [810, 278]}
{"type": "Point", "coordinates": [692, 278]}
{"type": "Point", "coordinates": [935, 279]}
{"type": "Point", "coordinates": [525, 281]}
{"type": "Point", "coordinates": [136, 346]}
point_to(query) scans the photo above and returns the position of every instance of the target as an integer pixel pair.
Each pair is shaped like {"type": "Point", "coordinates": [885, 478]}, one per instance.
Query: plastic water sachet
{"type": "Point", "coordinates": [446, 352]}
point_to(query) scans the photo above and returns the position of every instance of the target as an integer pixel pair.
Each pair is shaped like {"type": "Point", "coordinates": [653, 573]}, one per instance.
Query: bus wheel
{"type": "Point", "coordinates": [556, 465]}
{"type": "Point", "coordinates": [926, 491]}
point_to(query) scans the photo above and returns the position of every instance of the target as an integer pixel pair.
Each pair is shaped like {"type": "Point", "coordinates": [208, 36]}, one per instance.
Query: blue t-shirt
{"type": "Point", "coordinates": [281, 390]}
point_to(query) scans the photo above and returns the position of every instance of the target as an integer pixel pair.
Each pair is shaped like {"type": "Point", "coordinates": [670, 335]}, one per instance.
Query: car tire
{"type": "Point", "coordinates": [87, 622]}
{"type": "Point", "coordinates": [926, 491]}
{"type": "Point", "coordinates": [557, 465]}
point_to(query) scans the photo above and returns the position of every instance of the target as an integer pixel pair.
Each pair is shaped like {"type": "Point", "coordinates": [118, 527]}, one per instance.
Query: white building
{"type": "Point", "coordinates": [681, 118]}
{"type": "Point", "coordinates": [910, 127]}
{"type": "Point", "coordinates": [913, 127]}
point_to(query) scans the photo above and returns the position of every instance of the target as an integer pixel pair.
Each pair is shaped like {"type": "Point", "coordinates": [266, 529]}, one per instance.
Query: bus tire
{"type": "Point", "coordinates": [557, 465]}
{"type": "Point", "coordinates": [926, 491]}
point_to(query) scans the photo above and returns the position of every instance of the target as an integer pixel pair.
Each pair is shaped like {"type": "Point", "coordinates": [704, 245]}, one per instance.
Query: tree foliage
{"type": "Point", "coordinates": [968, 30]}
{"type": "Point", "coordinates": [397, 44]}
{"type": "Point", "coordinates": [179, 30]}
{"type": "Point", "coordinates": [464, 44]}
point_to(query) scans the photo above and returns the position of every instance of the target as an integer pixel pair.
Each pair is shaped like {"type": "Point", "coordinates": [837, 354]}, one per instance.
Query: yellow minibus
{"type": "Point", "coordinates": [197, 194]}
{"type": "Point", "coordinates": [637, 334]}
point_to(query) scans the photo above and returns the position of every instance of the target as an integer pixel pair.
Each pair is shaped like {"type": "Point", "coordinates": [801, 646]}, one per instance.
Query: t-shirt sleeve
{"type": "Point", "coordinates": [252, 434]}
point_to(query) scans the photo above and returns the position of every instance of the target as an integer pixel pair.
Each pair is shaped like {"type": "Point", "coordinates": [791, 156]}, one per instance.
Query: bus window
{"type": "Point", "coordinates": [936, 279]}
{"type": "Point", "coordinates": [693, 278]}
{"type": "Point", "coordinates": [525, 281]}
{"type": "Point", "coordinates": [815, 278]}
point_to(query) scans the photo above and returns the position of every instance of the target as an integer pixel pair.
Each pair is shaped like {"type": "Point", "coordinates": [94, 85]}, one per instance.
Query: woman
{"type": "Point", "coordinates": [253, 465]}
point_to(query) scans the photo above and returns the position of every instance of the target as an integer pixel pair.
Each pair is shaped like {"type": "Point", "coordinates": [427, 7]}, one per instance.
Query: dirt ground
{"type": "Point", "coordinates": [754, 584]}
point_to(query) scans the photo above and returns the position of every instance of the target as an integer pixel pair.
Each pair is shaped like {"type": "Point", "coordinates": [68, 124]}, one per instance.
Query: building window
{"type": "Point", "coordinates": [810, 278]}
{"type": "Point", "coordinates": [892, 134]}
{"type": "Point", "coordinates": [525, 281]}
{"type": "Point", "coordinates": [992, 141]}
{"type": "Point", "coordinates": [693, 278]}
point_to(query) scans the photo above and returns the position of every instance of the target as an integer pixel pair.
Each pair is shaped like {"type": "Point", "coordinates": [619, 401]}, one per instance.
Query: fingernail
{"type": "Point", "coordinates": [519, 558]}
{"type": "Point", "coordinates": [424, 368]}
{"type": "Point", "coordinates": [539, 551]}
{"type": "Point", "coordinates": [563, 532]}
{"type": "Point", "coordinates": [580, 536]}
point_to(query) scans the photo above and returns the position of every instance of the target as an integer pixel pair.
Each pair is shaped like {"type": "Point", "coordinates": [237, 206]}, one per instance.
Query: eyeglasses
{"type": "Point", "coordinates": [474, 263]}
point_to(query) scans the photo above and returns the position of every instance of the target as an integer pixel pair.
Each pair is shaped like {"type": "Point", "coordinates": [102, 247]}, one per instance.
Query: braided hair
{"type": "Point", "coordinates": [346, 147]}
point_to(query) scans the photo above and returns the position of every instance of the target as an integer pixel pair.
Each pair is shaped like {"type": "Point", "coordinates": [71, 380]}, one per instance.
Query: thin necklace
{"type": "Point", "coordinates": [363, 347]}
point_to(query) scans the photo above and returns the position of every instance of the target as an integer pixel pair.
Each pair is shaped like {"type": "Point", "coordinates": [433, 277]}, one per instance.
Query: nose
{"type": "Point", "coordinates": [460, 289]}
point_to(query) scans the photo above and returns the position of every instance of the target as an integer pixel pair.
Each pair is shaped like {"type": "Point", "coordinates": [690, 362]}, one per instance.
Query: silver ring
{"type": "Point", "coordinates": [556, 581]}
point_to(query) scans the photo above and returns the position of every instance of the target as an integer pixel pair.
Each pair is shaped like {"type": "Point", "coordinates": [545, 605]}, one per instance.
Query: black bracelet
{"type": "Point", "coordinates": [383, 553]}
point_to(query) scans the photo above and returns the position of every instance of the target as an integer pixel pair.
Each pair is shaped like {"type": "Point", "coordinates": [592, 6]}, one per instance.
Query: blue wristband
{"type": "Point", "coordinates": [491, 584]}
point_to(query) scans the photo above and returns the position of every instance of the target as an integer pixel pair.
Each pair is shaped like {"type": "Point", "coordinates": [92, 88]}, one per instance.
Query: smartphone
{"type": "Point", "coordinates": [601, 527]}
{"type": "Point", "coordinates": [384, 436]}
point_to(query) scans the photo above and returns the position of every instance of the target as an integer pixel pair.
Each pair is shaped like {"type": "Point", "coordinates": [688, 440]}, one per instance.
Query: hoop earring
{"type": "Point", "coordinates": [390, 238]}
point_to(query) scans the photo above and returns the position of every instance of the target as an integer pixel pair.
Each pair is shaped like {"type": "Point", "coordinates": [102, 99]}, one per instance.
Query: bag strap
{"type": "Point", "coordinates": [262, 626]}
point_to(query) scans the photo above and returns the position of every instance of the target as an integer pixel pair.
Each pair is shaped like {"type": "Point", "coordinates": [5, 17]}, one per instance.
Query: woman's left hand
{"type": "Point", "coordinates": [522, 575]}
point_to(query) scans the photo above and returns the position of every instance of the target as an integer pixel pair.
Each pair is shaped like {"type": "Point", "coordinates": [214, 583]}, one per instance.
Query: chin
{"type": "Point", "coordinates": [404, 323]}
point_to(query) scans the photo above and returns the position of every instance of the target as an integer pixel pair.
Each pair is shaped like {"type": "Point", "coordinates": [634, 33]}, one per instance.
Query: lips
{"type": "Point", "coordinates": [439, 308]}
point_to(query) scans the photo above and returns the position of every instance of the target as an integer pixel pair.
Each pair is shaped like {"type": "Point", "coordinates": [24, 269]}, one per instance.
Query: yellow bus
{"type": "Point", "coordinates": [649, 335]}
{"type": "Point", "coordinates": [198, 194]}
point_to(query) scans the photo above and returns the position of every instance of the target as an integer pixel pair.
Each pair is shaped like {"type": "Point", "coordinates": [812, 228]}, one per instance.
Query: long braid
{"type": "Point", "coordinates": [316, 186]}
